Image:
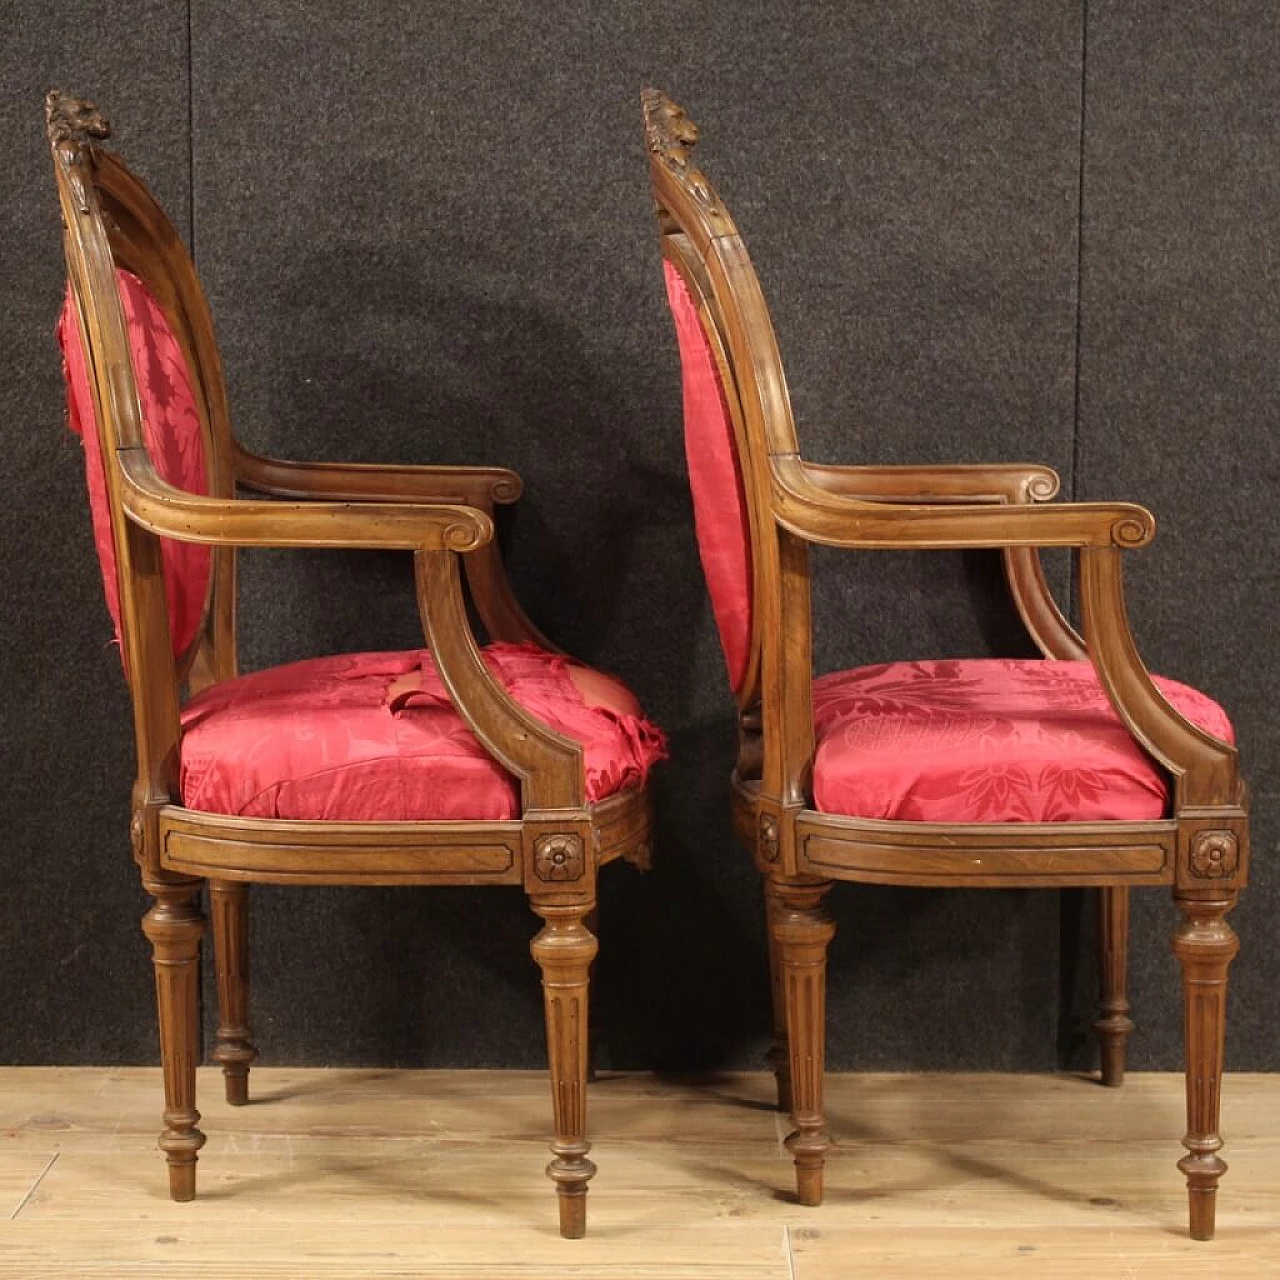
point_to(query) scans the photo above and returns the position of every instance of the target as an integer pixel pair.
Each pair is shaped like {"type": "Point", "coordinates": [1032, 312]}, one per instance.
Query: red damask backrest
{"type": "Point", "coordinates": [737, 417]}
{"type": "Point", "coordinates": [175, 441]}
{"type": "Point", "coordinates": [142, 371]}
{"type": "Point", "coordinates": [715, 480]}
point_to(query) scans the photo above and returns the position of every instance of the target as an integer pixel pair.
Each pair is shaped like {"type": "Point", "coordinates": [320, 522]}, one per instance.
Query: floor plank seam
{"type": "Point", "coordinates": [31, 1190]}
{"type": "Point", "coordinates": [788, 1252]}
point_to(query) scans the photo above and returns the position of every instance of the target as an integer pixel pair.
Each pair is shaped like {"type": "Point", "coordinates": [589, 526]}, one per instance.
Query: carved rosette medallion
{"type": "Point", "coordinates": [1215, 855]}
{"type": "Point", "coordinates": [768, 837]}
{"type": "Point", "coordinates": [559, 857]}
{"type": "Point", "coordinates": [135, 833]}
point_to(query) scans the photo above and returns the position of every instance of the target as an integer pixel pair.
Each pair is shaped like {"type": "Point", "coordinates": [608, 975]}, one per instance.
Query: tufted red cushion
{"type": "Point", "coordinates": [373, 737]}
{"type": "Point", "coordinates": [987, 741]}
{"type": "Point", "coordinates": [171, 426]}
{"type": "Point", "coordinates": [715, 480]}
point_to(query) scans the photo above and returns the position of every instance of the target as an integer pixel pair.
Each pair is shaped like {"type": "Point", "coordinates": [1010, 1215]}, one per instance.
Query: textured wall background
{"type": "Point", "coordinates": [988, 231]}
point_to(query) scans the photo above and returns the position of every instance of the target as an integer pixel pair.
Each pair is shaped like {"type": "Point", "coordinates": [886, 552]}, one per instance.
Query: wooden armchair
{"type": "Point", "coordinates": [457, 764]}
{"type": "Point", "coordinates": [1081, 769]}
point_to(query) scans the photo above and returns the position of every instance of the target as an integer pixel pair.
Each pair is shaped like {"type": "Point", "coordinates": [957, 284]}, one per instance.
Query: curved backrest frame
{"type": "Point", "coordinates": [701, 240]}
{"type": "Point", "coordinates": [111, 221]}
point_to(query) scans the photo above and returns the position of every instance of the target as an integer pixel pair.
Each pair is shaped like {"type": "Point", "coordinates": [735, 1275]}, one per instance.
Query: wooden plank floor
{"type": "Point", "coordinates": [438, 1175]}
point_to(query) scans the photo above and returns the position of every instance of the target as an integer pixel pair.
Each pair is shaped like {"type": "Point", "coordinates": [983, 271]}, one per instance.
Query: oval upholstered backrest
{"type": "Point", "coordinates": [174, 439]}
{"type": "Point", "coordinates": [715, 481]}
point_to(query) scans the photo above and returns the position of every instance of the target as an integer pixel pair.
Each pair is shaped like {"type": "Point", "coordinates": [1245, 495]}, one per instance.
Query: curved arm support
{"type": "Point", "coordinates": [959, 483]}
{"type": "Point", "coordinates": [817, 515]}
{"type": "Point", "coordinates": [480, 487]}
{"type": "Point", "coordinates": [1054, 636]}
{"type": "Point", "coordinates": [163, 509]}
{"type": "Point", "coordinates": [548, 764]}
{"type": "Point", "coordinates": [502, 614]}
{"type": "Point", "coordinates": [1204, 768]}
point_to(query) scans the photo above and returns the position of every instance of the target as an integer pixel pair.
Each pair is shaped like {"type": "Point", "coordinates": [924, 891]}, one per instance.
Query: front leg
{"type": "Point", "coordinates": [564, 949]}
{"type": "Point", "coordinates": [779, 1053]}
{"type": "Point", "coordinates": [802, 930]}
{"type": "Point", "coordinates": [175, 925]}
{"type": "Point", "coordinates": [1205, 944]}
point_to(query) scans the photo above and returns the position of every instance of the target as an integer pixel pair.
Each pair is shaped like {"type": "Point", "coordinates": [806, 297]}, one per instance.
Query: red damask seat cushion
{"type": "Point", "coordinates": [174, 437]}
{"type": "Point", "coordinates": [987, 741]}
{"type": "Point", "coordinates": [373, 737]}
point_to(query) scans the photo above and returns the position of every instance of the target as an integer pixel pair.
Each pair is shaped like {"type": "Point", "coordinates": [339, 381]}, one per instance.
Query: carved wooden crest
{"type": "Point", "coordinates": [74, 120]}
{"type": "Point", "coordinates": [671, 136]}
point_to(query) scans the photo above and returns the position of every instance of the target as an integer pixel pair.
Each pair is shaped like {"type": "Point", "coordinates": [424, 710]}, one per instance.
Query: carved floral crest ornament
{"type": "Point", "coordinates": [74, 120]}
{"type": "Point", "coordinates": [75, 126]}
{"type": "Point", "coordinates": [671, 136]}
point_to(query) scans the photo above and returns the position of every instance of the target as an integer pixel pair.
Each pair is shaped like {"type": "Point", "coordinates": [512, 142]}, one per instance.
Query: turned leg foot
{"type": "Point", "coordinates": [1113, 1024]}
{"type": "Point", "coordinates": [801, 931]}
{"type": "Point", "coordinates": [1205, 944]}
{"type": "Point", "coordinates": [564, 949]}
{"type": "Point", "coordinates": [174, 926]}
{"type": "Point", "coordinates": [233, 1051]}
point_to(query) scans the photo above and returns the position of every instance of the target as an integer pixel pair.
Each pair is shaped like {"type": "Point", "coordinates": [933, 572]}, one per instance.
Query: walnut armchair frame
{"type": "Point", "coordinates": [1200, 849]}
{"type": "Point", "coordinates": [444, 516]}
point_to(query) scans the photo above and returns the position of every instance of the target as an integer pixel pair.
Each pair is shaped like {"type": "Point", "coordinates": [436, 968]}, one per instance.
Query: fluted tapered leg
{"type": "Point", "coordinates": [1205, 944]}
{"type": "Point", "coordinates": [801, 931]}
{"type": "Point", "coordinates": [779, 1054]}
{"type": "Point", "coordinates": [229, 909]}
{"type": "Point", "coordinates": [564, 949]}
{"type": "Point", "coordinates": [174, 925]}
{"type": "Point", "coordinates": [1113, 1024]}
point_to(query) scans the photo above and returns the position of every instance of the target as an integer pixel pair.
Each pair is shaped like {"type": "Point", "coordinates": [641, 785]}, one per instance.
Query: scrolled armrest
{"type": "Point", "coordinates": [817, 515]}
{"type": "Point", "coordinates": [481, 487]}
{"type": "Point", "coordinates": [951, 483]}
{"type": "Point", "coordinates": [154, 504]}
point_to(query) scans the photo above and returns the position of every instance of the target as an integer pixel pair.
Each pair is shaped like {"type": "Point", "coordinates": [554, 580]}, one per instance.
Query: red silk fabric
{"type": "Point", "coordinates": [987, 741]}
{"type": "Point", "coordinates": [171, 428]}
{"type": "Point", "coordinates": [373, 737]}
{"type": "Point", "coordinates": [715, 480]}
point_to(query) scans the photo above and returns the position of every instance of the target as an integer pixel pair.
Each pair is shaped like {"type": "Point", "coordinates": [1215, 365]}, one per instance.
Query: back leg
{"type": "Point", "coordinates": [229, 909]}
{"type": "Point", "coordinates": [779, 1053]}
{"type": "Point", "coordinates": [1113, 1024]}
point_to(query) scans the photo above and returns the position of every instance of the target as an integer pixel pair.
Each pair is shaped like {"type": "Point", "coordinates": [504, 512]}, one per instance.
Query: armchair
{"type": "Point", "coordinates": [1078, 769]}
{"type": "Point", "coordinates": [504, 764]}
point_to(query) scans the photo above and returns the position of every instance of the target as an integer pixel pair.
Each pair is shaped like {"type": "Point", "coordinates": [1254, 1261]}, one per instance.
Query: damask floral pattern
{"type": "Point", "coordinates": [987, 741]}
{"type": "Point", "coordinates": [715, 480]}
{"type": "Point", "coordinates": [174, 439]}
{"type": "Point", "coordinates": [374, 737]}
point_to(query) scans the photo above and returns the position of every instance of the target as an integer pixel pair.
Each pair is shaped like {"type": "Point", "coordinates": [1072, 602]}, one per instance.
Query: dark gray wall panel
{"type": "Point", "coordinates": [1179, 380]}
{"type": "Point", "coordinates": [443, 249]}
{"type": "Point", "coordinates": [426, 235]}
{"type": "Point", "coordinates": [72, 958]}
